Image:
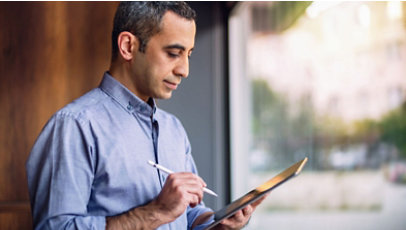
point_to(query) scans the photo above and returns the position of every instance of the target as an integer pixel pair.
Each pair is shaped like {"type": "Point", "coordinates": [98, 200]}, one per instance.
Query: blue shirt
{"type": "Point", "coordinates": [90, 160]}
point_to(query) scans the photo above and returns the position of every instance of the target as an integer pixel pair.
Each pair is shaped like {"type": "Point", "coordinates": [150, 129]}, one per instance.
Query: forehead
{"type": "Point", "coordinates": [176, 30]}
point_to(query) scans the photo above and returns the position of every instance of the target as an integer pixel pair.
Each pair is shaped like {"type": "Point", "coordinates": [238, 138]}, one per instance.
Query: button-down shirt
{"type": "Point", "coordinates": [90, 160]}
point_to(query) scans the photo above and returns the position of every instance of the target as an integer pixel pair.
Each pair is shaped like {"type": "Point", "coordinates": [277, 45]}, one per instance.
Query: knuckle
{"type": "Point", "coordinates": [178, 189]}
{"type": "Point", "coordinates": [170, 177]}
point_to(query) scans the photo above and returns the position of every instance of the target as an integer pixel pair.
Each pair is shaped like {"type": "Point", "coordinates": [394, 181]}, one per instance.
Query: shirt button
{"type": "Point", "coordinates": [129, 107]}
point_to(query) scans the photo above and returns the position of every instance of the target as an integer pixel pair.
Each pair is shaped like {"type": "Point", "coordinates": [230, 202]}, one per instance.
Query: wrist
{"type": "Point", "coordinates": [156, 213]}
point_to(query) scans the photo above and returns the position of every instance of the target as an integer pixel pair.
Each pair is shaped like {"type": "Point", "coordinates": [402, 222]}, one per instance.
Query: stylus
{"type": "Point", "coordinates": [163, 169]}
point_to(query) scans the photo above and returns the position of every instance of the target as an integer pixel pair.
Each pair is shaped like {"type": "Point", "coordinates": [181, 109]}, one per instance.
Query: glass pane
{"type": "Point", "coordinates": [326, 80]}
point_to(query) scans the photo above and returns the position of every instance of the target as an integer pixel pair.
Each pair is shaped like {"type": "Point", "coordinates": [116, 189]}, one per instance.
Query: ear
{"type": "Point", "coordinates": [127, 45]}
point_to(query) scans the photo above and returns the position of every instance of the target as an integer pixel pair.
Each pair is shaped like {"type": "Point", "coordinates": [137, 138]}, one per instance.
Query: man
{"type": "Point", "coordinates": [88, 168]}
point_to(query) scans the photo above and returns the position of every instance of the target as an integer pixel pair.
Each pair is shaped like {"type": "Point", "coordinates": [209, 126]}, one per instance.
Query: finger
{"type": "Point", "coordinates": [230, 222]}
{"type": "Point", "coordinates": [193, 188]}
{"type": "Point", "coordinates": [247, 211]}
{"type": "Point", "coordinates": [184, 179]}
{"type": "Point", "coordinates": [198, 195]}
{"type": "Point", "coordinates": [189, 185]}
{"type": "Point", "coordinates": [236, 220]}
{"type": "Point", "coordinates": [194, 194]}
{"type": "Point", "coordinates": [189, 179]}
{"type": "Point", "coordinates": [190, 176]}
{"type": "Point", "coordinates": [193, 200]}
{"type": "Point", "coordinates": [238, 216]}
{"type": "Point", "coordinates": [192, 203]}
{"type": "Point", "coordinates": [259, 201]}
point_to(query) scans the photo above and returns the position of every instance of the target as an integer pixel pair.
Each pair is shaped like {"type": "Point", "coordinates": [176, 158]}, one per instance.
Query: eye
{"type": "Point", "coordinates": [172, 54]}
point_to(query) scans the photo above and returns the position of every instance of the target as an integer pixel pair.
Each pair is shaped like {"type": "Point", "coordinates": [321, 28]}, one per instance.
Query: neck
{"type": "Point", "coordinates": [121, 72]}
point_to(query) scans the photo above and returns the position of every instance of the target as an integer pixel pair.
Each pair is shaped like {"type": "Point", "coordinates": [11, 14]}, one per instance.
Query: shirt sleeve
{"type": "Point", "coordinates": [60, 171]}
{"type": "Point", "coordinates": [193, 213]}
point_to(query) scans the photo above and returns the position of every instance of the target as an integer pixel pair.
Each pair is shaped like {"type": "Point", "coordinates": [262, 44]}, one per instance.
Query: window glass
{"type": "Point", "coordinates": [324, 80]}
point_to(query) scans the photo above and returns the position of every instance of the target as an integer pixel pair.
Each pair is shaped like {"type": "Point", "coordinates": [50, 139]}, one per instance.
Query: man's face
{"type": "Point", "coordinates": [159, 70]}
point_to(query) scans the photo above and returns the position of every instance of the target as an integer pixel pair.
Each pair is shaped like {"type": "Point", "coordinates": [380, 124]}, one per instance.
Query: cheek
{"type": "Point", "coordinates": [152, 76]}
{"type": "Point", "coordinates": [159, 73]}
{"type": "Point", "coordinates": [161, 66]}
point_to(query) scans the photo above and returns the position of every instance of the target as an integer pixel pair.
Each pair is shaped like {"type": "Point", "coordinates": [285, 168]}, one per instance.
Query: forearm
{"type": "Point", "coordinates": [143, 217]}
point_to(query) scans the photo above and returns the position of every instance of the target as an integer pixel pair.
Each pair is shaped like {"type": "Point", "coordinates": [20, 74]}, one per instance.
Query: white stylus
{"type": "Point", "coordinates": [163, 169]}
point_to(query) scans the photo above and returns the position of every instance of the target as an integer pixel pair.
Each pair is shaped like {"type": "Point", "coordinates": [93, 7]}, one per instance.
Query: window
{"type": "Point", "coordinates": [315, 80]}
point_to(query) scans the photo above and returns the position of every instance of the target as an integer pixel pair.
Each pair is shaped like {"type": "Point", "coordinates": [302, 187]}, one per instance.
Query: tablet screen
{"type": "Point", "coordinates": [258, 192]}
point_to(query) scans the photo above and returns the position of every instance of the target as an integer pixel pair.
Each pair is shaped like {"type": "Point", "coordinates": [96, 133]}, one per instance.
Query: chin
{"type": "Point", "coordinates": [165, 96]}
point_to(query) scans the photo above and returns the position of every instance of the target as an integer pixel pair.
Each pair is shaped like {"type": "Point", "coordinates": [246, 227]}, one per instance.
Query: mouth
{"type": "Point", "coordinates": [170, 85]}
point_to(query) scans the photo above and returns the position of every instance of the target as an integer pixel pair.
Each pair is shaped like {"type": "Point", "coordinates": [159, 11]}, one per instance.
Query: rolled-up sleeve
{"type": "Point", "coordinates": [60, 172]}
{"type": "Point", "coordinates": [194, 213]}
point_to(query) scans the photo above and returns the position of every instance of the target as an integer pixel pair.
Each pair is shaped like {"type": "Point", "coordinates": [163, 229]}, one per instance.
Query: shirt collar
{"type": "Point", "coordinates": [128, 100]}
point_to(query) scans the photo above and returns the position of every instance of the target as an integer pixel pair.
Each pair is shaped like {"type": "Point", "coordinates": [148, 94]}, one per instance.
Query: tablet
{"type": "Point", "coordinates": [257, 193]}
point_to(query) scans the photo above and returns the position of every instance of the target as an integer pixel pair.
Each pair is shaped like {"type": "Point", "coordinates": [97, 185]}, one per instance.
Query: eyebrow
{"type": "Point", "coordinates": [176, 46]}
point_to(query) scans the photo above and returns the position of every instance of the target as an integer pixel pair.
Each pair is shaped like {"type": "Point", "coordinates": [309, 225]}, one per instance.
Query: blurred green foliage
{"type": "Point", "coordinates": [393, 128]}
{"type": "Point", "coordinates": [278, 127]}
{"type": "Point", "coordinates": [286, 131]}
{"type": "Point", "coordinates": [277, 16]}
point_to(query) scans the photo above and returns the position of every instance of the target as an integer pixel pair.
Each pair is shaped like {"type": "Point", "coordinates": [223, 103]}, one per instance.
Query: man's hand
{"type": "Point", "coordinates": [240, 218]}
{"type": "Point", "coordinates": [236, 221]}
{"type": "Point", "coordinates": [180, 191]}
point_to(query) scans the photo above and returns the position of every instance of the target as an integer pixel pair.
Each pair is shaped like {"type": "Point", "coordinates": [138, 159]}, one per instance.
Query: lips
{"type": "Point", "coordinates": [171, 85]}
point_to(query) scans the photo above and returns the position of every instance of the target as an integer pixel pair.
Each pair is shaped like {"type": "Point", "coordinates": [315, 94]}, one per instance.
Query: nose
{"type": "Point", "coordinates": [182, 67]}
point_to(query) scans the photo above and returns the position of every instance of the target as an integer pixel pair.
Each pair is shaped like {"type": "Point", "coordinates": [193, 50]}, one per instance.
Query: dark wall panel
{"type": "Point", "coordinates": [50, 54]}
